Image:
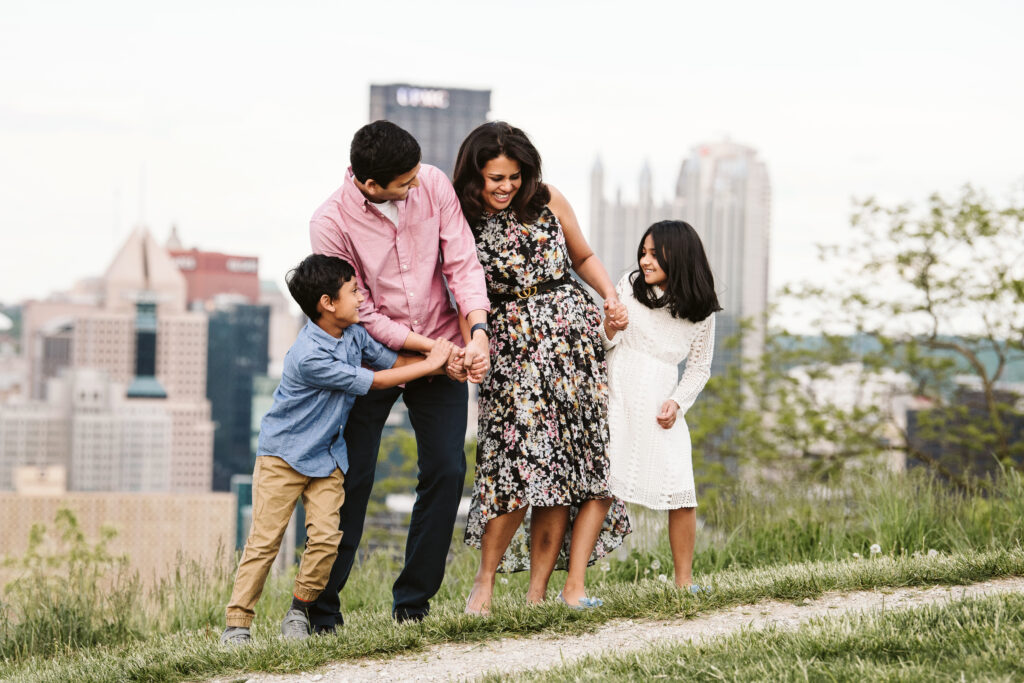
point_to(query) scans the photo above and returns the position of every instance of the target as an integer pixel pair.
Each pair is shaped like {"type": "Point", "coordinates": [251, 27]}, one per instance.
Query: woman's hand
{"type": "Point", "coordinates": [616, 314]}
{"type": "Point", "coordinates": [667, 416]}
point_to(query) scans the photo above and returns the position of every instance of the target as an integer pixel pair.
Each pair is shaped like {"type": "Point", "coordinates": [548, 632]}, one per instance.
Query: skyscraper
{"type": "Point", "coordinates": [122, 368]}
{"type": "Point", "coordinates": [723, 191]}
{"type": "Point", "coordinates": [439, 118]}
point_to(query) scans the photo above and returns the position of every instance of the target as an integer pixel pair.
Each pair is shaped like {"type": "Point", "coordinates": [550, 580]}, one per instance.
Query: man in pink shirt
{"type": "Point", "coordinates": [400, 225]}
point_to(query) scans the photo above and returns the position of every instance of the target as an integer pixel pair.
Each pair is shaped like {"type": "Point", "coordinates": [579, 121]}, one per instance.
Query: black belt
{"type": "Point", "coordinates": [527, 292]}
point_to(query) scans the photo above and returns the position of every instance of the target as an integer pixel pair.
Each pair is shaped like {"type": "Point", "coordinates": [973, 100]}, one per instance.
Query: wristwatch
{"type": "Point", "coordinates": [480, 326]}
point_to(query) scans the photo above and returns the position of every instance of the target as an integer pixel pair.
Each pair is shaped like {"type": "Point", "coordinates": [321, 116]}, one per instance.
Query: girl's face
{"type": "Point", "coordinates": [501, 182]}
{"type": "Point", "coordinates": [649, 266]}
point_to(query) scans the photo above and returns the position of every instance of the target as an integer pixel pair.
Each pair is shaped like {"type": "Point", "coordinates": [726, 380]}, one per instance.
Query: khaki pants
{"type": "Point", "coordinates": [275, 488]}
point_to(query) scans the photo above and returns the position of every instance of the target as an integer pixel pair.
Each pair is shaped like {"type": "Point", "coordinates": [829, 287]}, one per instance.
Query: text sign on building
{"type": "Point", "coordinates": [422, 97]}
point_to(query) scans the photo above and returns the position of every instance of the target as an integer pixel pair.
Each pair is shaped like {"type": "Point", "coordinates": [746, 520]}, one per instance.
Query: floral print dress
{"type": "Point", "coordinates": [543, 427]}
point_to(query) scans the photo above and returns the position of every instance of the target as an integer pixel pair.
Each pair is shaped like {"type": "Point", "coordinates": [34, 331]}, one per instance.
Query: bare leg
{"type": "Point", "coordinates": [585, 530]}
{"type": "Point", "coordinates": [497, 535]}
{"type": "Point", "coordinates": [547, 530]}
{"type": "Point", "coordinates": [682, 531]}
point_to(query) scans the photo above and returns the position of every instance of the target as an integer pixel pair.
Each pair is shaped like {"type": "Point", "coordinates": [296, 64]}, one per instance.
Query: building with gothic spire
{"type": "Point", "coordinates": [117, 382]}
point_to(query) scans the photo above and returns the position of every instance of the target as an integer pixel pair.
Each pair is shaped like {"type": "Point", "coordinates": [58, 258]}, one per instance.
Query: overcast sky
{"type": "Point", "coordinates": [233, 120]}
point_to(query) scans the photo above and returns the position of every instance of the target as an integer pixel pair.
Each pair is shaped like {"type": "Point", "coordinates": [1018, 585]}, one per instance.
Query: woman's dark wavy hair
{"type": "Point", "coordinates": [689, 288]}
{"type": "Point", "coordinates": [490, 141]}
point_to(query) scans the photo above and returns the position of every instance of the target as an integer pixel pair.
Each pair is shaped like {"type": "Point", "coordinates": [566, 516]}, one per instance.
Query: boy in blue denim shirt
{"type": "Point", "coordinates": [301, 449]}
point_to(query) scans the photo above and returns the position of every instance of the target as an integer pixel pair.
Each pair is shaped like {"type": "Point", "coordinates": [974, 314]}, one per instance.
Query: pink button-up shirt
{"type": "Point", "coordinates": [400, 268]}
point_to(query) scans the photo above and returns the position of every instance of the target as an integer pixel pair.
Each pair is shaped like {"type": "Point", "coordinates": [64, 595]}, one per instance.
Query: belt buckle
{"type": "Point", "coordinates": [526, 293]}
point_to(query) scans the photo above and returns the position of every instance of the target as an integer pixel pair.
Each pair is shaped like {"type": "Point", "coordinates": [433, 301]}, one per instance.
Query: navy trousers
{"type": "Point", "coordinates": [437, 409]}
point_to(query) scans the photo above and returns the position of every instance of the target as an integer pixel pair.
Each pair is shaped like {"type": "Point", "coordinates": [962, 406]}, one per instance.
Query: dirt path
{"type": "Point", "coordinates": [466, 661]}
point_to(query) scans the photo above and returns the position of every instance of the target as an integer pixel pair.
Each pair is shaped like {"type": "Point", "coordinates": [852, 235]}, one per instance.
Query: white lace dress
{"type": "Point", "coordinates": [650, 465]}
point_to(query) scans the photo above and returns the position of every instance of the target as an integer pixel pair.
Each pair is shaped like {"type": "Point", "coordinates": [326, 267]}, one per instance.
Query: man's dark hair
{"type": "Point", "coordinates": [689, 288]}
{"type": "Point", "coordinates": [383, 151]}
{"type": "Point", "coordinates": [490, 141]}
{"type": "Point", "coordinates": [315, 276]}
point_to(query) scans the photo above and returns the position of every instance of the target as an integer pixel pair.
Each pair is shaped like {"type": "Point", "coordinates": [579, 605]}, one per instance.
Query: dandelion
{"type": "Point", "coordinates": [646, 572]}
{"type": "Point", "coordinates": [856, 556]}
{"type": "Point", "coordinates": [662, 578]}
{"type": "Point", "coordinates": [875, 548]}
{"type": "Point", "coordinates": [932, 552]}
{"type": "Point", "coordinates": [504, 579]}
{"type": "Point", "coordinates": [605, 567]}
{"type": "Point", "coordinates": [655, 565]}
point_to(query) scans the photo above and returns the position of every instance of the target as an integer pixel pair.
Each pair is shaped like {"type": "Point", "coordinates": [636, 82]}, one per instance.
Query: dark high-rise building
{"type": "Point", "coordinates": [236, 353]}
{"type": "Point", "coordinates": [439, 118]}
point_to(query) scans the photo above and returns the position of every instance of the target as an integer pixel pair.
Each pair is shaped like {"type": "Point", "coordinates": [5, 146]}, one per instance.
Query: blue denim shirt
{"type": "Point", "coordinates": [321, 379]}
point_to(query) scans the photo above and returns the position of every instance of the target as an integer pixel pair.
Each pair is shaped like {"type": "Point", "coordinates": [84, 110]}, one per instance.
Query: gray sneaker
{"type": "Point", "coordinates": [295, 625]}
{"type": "Point", "coordinates": [235, 635]}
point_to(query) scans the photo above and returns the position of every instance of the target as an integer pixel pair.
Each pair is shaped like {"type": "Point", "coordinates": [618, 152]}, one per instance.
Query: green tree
{"type": "Point", "coordinates": [935, 293]}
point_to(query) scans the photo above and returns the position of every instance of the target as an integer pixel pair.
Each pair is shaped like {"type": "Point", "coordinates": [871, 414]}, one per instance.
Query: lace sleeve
{"type": "Point", "coordinates": [605, 341]}
{"type": "Point", "coordinates": [698, 365]}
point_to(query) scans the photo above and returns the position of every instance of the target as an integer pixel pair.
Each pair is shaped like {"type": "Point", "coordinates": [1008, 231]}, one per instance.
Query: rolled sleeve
{"type": "Point", "coordinates": [325, 372]}
{"type": "Point", "coordinates": [375, 354]}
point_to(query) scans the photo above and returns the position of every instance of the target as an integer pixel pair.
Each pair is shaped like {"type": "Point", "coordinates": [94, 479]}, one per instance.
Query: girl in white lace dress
{"type": "Point", "coordinates": [671, 302]}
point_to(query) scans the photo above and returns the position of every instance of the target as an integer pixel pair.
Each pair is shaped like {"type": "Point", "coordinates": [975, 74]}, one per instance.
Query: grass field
{"type": "Point", "coordinates": [974, 639]}
{"type": "Point", "coordinates": [80, 620]}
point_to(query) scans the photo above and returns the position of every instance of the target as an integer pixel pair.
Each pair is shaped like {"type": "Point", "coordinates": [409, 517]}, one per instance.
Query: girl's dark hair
{"type": "Point", "coordinates": [382, 151]}
{"type": "Point", "coordinates": [689, 287]}
{"type": "Point", "coordinates": [490, 141]}
{"type": "Point", "coordinates": [318, 274]}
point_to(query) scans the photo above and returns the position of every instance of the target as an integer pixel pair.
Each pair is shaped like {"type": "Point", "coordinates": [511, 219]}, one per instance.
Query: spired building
{"type": "Point", "coordinates": [117, 380]}
{"type": "Point", "coordinates": [439, 118]}
{"type": "Point", "coordinates": [723, 191]}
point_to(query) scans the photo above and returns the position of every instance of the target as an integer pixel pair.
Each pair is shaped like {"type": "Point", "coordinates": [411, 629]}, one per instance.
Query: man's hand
{"type": "Point", "coordinates": [476, 358]}
{"type": "Point", "coordinates": [667, 416]}
{"type": "Point", "coordinates": [454, 369]}
{"type": "Point", "coordinates": [616, 313]}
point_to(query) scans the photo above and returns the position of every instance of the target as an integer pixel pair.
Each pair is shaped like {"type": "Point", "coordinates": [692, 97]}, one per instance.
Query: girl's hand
{"type": "Point", "coordinates": [616, 314]}
{"type": "Point", "coordinates": [667, 416]}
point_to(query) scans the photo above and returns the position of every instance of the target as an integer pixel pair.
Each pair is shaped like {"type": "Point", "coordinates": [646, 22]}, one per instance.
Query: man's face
{"type": "Point", "coordinates": [397, 189]}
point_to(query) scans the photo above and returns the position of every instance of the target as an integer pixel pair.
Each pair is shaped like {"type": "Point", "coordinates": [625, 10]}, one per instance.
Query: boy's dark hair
{"type": "Point", "coordinates": [315, 276]}
{"type": "Point", "coordinates": [689, 288]}
{"type": "Point", "coordinates": [383, 151]}
{"type": "Point", "coordinates": [490, 141]}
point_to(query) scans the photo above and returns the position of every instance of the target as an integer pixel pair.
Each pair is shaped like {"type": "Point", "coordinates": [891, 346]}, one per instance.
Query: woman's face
{"type": "Point", "coordinates": [653, 274]}
{"type": "Point", "coordinates": [501, 182]}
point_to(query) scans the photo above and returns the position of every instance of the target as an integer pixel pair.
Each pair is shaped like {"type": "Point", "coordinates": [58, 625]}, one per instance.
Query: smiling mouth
{"type": "Point", "coordinates": [501, 197]}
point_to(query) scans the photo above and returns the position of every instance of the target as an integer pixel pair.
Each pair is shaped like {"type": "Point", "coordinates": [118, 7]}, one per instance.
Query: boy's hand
{"type": "Point", "coordinates": [667, 417]}
{"type": "Point", "coordinates": [455, 368]}
{"type": "Point", "coordinates": [440, 354]}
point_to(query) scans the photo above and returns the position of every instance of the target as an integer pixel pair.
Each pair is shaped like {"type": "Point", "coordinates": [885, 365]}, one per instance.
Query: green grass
{"type": "Point", "coordinates": [971, 639]}
{"type": "Point", "coordinates": [75, 608]}
{"type": "Point", "coordinates": [197, 654]}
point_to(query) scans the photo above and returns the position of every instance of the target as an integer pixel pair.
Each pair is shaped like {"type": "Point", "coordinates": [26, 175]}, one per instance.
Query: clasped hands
{"type": "Point", "coordinates": [470, 363]}
{"type": "Point", "coordinates": [616, 314]}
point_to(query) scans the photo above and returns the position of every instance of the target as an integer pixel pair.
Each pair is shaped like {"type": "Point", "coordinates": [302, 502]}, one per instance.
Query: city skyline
{"type": "Point", "coordinates": [235, 126]}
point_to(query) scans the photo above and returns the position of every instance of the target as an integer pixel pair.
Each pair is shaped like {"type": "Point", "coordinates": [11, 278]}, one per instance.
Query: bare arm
{"type": "Point", "coordinates": [585, 261]}
{"type": "Point", "coordinates": [408, 368]}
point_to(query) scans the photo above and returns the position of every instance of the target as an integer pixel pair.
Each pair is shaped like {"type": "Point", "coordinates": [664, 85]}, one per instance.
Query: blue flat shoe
{"type": "Point", "coordinates": [585, 602]}
{"type": "Point", "coordinates": [697, 590]}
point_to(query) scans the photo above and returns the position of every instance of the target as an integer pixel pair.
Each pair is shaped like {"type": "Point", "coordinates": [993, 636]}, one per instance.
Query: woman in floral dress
{"type": "Point", "coordinates": [543, 429]}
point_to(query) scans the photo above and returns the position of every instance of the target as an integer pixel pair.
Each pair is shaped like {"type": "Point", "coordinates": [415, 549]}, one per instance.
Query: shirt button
{"type": "Point", "coordinates": [405, 267]}
{"type": "Point", "coordinates": [410, 295]}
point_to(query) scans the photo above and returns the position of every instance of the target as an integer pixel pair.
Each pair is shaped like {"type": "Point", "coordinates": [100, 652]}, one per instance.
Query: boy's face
{"type": "Point", "coordinates": [346, 305]}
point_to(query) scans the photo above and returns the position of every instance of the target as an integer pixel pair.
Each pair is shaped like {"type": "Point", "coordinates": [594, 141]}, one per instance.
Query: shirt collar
{"type": "Point", "coordinates": [318, 335]}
